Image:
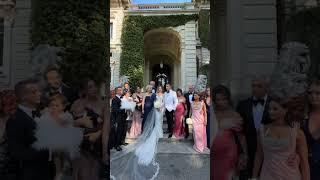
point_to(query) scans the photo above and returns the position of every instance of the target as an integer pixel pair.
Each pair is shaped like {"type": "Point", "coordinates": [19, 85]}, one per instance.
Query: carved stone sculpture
{"type": "Point", "coordinates": [43, 56]}
{"type": "Point", "coordinates": [290, 78]}
{"type": "Point", "coordinates": [291, 73]}
{"type": "Point", "coordinates": [201, 84]}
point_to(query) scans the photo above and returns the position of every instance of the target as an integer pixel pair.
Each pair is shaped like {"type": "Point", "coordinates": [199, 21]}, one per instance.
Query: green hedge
{"type": "Point", "coordinates": [304, 27]}
{"type": "Point", "coordinates": [132, 56]}
{"type": "Point", "coordinates": [204, 27]}
{"type": "Point", "coordinates": [81, 28]}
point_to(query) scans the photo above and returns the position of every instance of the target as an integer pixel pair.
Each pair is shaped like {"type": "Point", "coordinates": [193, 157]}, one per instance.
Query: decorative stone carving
{"type": "Point", "coordinates": [7, 10]}
{"type": "Point", "coordinates": [201, 84]}
{"type": "Point", "coordinates": [290, 78]}
{"type": "Point", "coordinates": [291, 72]}
{"type": "Point", "coordinates": [43, 56]}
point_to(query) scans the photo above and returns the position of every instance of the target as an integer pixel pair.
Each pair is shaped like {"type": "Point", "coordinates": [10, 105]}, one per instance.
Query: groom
{"type": "Point", "coordinates": [34, 165]}
{"type": "Point", "coordinates": [170, 103]}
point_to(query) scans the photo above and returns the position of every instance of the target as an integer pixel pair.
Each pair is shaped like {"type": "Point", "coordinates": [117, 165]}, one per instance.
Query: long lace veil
{"type": "Point", "coordinates": [137, 160]}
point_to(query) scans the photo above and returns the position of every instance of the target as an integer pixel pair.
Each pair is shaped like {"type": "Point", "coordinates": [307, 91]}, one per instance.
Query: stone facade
{"type": "Point", "coordinates": [184, 69]}
{"type": "Point", "coordinates": [245, 42]}
{"type": "Point", "coordinates": [16, 53]}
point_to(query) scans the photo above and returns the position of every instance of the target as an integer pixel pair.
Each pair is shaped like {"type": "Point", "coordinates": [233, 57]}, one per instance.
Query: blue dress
{"type": "Point", "coordinates": [314, 153]}
{"type": "Point", "coordinates": [148, 106]}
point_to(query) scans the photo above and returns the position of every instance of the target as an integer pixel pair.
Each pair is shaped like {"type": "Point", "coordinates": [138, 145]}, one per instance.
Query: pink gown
{"type": "Point", "coordinates": [276, 153]}
{"type": "Point", "coordinates": [136, 125]}
{"type": "Point", "coordinates": [199, 128]}
{"type": "Point", "coordinates": [178, 130]}
{"type": "Point", "coordinates": [224, 155]}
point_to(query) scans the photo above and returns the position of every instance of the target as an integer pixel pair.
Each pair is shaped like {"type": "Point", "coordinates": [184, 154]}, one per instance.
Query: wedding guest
{"type": "Point", "coordinates": [153, 85]}
{"type": "Point", "coordinates": [126, 87]}
{"type": "Point", "coordinates": [311, 129]}
{"type": "Point", "coordinates": [55, 85]}
{"type": "Point", "coordinates": [254, 112]}
{"type": "Point", "coordinates": [135, 129]}
{"type": "Point", "coordinates": [208, 104]}
{"type": "Point", "coordinates": [129, 106]}
{"type": "Point", "coordinates": [198, 114]}
{"type": "Point", "coordinates": [170, 103]}
{"type": "Point", "coordinates": [180, 112]}
{"type": "Point", "coordinates": [33, 164]}
{"type": "Point", "coordinates": [118, 118]}
{"type": "Point", "coordinates": [189, 99]}
{"type": "Point", "coordinates": [8, 106]}
{"type": "Point", "coordinates": [228, 152]}
{"type": "Point", "coordinates": [89, 166]}
{"type": "Point", "coordinates": [147, 103]}
{"type": "Point", "coordinates": [160, 98]}
{"type": "Point", "coordinates": [276, 143]}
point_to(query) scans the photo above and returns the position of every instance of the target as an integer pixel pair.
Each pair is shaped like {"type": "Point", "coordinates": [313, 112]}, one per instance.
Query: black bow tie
{"type": "Point", "coordinates": [36, 113]}
{"type": "Point", "coordinates": [258, 101]}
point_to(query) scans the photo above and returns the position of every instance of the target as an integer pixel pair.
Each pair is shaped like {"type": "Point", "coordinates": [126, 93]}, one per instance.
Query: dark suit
{"type": "Point", "coordinates": [34, 165]}
{"type": "Point", "coordinates": [118, 119]}
{"type": "Point", "coordinates": [186, 129]}
{"type": "Point", "coordinates": [70, 94]}
{"type": "Point", "coordinates": [245, 109]}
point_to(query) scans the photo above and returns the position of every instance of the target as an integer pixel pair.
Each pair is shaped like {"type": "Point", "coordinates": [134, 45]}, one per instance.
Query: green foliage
{"type": "Point", "coordinates": [204, 27]}
{"type": "Point", "coordinates": [132, 56]}
{"type": "Point", "coordinates": [304, 27]}
{"type": "Point", "coordinates": [80, 27]}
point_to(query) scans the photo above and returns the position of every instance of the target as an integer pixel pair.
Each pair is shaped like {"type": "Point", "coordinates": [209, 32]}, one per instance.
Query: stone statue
{"type": "Point", "coordinates": [124, 79]}
{"type": "Point", "coordinates": [43, 56]}
{"type": "Point", "coordinates": [201, 84]}
{"type": "Point", "coordinates": [290, 78]}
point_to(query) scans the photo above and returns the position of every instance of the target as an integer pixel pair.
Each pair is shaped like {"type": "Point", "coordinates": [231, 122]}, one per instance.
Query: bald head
{"type": "Point", "coordinates": [152, 83]}
{"type": "Point", "coordinates": [260, 86]}
{"type": "Point", "coordinates": [191, 88]}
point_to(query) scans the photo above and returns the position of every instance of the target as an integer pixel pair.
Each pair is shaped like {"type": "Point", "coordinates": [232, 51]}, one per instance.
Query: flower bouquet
{"type": "Point", "coordinates": [189, 121]}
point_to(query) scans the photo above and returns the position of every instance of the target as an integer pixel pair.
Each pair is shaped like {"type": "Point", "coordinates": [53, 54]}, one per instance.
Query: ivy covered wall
{"type": "Point", "coordinates": [134, 27]}
{"type": "Point", "coordinates": [80, 27]}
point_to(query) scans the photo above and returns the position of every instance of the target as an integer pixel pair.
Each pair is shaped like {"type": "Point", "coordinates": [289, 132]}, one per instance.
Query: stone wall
{"type": "Point", "coordinates": [18, 45]}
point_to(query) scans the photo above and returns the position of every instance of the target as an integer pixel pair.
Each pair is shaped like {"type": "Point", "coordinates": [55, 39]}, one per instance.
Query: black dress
{"type": "Point", "coordinates": [8, 167]}
{"type": "Point", "coordinates": [314, 152]}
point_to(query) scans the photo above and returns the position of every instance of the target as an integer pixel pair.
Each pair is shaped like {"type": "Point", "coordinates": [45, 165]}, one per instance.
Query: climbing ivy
{"type": "Point", "coordinates": [134, 27]}
{"type": "Point", "coordinates": [80, 27]}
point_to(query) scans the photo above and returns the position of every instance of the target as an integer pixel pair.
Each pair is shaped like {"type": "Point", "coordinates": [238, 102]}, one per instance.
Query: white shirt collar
{"type": "Point", "coordinates": [27, 110]}
{"type": "Point", "coordinates": [118, 96]}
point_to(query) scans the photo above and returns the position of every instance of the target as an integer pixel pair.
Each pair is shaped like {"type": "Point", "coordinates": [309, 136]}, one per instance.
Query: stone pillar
{"type": "Point", "coordinates": [190, 53]}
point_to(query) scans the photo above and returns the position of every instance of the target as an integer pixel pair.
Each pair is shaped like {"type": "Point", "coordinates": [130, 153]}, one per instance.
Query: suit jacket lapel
{"type": "Point", "coordinates": [250, 112]}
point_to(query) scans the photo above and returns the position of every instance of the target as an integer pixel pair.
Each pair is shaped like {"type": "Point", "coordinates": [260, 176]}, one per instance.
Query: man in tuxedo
{"type": "Point", "coordinates": [170, 103]}
{"type": "Point", "coordinates": [189, 99]}
{"type": "Point", "coordinates": [254, 112]}
{"type": "Point", "coordinates": [154, 88]}
{"type": "Point", "coordinates": [55, 85]}
{"type": "Point", "coordinates": [34, 164]}
{"type": "Point", "coordinates": [118, 119]}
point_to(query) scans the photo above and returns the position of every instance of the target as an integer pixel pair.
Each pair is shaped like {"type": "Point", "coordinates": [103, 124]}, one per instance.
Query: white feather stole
{"type": "Point", "coordinates": [128, 104]}
{"type": "Point", "coordinates": [52, 136]}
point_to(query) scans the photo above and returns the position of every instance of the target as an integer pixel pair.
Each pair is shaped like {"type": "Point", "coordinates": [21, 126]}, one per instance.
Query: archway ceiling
{"type": "Point", "coordinates": [162, 42]}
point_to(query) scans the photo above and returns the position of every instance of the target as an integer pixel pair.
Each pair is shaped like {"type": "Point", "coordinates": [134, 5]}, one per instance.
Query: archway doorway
{"type": "Point", "coordinates": [161, 74]}
{"type": "Point", "coordinates": [162, 57]}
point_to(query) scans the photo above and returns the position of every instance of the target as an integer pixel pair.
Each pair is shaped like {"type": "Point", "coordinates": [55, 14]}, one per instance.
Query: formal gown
{"type": "Point", "coordinates": [135, 129]}
{"type": "Point", "coordinates": [276, 152]}
{"type": "Point", "coordinates": [314, 152]}
{"type": "Point", "coordinates": [178, 130]}
{"type": "Point", "coordinates": [199, 128]}
{"type": "Point", "coordinates": [148, 106]}
{"type": "Point", "coordinates": [208, 125]}
{"type": "Point", "coordinates": [224, 154]}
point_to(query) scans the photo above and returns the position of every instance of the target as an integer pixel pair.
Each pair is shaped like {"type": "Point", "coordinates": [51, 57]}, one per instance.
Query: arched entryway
{"type": "Point", "coordinates": [162, 57]}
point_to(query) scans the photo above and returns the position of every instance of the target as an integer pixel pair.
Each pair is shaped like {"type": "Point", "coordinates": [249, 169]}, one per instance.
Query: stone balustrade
{"type": "Point", "coordinates": [171, 6]}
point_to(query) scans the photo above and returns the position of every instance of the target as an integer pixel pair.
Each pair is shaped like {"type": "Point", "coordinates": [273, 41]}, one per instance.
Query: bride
{"type": "Point", "coordinates": [137, 160]}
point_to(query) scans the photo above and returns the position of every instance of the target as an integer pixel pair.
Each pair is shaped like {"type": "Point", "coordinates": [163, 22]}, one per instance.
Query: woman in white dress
{"type": "Point", "coordinates": [137, 160]}
{"type": "Point", "coordinates": [160, 98]}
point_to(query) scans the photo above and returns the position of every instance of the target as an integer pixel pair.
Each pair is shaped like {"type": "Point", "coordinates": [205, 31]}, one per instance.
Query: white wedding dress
{"type": "Point", "coordinates": [137, 160]}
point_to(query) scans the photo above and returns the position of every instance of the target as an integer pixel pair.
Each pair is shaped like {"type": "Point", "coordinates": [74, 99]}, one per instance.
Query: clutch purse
{"type": "Point", "coordinates": [189, 121]}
